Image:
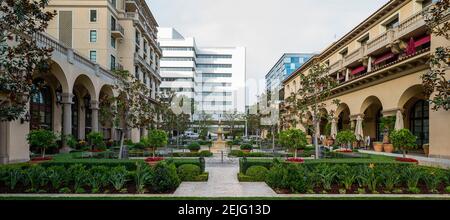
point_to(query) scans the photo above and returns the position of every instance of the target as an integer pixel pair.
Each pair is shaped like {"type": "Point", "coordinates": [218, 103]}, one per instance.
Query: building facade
{"type": "Point", "coordinates": [89, 40]}
{"type": "Point", "coordinates": [116, 34]}
{"type": "Point", "coordinates": [378, 66]}
{"type": "Point", "coordinates": [284, 67]}
{"type": "Point", "coordinates": [213, 78]}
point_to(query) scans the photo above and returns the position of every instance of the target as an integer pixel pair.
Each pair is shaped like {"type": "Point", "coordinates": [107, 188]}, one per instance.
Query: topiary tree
{"type": "Point", "coordinates": [42, 139]}
{"type": "Point", "coordinates": [345, 138]}
{"type": "Point", "coordinates": [194, 147]}
{"type": "Point", "coordinates": [157, 138]}
{"type": "Point", "coordinates": [293, 139]}
{"type": "Point", "coordinates": [403, 139]}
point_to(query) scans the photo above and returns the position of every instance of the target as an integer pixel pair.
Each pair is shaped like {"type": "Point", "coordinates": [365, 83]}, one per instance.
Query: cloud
{"type": "Point", "coordinates": [267, 28]}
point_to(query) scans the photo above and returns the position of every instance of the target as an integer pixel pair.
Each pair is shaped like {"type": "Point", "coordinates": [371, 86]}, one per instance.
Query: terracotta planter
{"type": "Point", "coordinates": [246, 151]}
{"type": "Point", "coordinates": [330, 142]}
{"type": "Point", "coordinates": [426, 149]}
{"type": "Point", "coordinates": [378, 147]}
{"type": "Point", "coordinates": [388, 148]}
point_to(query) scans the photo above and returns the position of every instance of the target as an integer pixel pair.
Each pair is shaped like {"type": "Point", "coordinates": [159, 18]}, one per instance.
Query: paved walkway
{"type": "Point", "coordinates": [223, 182]}
{"type": "Point", "coordinates": [426, 161]}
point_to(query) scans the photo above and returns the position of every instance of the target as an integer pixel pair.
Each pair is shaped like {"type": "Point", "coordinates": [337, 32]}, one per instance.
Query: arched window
{"type": "Point", "coordinates": [419, 121]}
{"type": "Point", "coordinates": [41, 108]}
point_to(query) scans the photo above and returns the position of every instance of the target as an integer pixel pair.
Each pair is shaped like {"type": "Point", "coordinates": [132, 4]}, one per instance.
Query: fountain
{"type": "Point", "coordinates": [219, 145]}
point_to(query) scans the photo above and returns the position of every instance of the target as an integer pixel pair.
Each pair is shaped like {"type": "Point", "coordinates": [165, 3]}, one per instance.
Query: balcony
{"type": "Point", "coordinates": [354, 56]}
{"type": "Point", "coordinates": [335, 67]}
{"type": "Point", "coordinates": [117, 66]}
{"type": "Point", "coordinates": [117, 31]}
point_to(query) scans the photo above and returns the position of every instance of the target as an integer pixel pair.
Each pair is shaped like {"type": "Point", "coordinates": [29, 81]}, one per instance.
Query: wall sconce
{"type": "Point", "coordinates": [25, 118]}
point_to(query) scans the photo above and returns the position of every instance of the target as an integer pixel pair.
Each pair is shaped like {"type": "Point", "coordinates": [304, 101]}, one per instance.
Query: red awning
{"type": "Point", "coordinates": [358, 70]}
{"type": "Point", "coordinates": [383, 58]}
{"type": "Point", "coordinates": [422, 41]}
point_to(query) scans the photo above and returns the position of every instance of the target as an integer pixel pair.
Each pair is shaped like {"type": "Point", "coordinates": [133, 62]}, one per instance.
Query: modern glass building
{"type": "Point", "coordinates": [285, 66]}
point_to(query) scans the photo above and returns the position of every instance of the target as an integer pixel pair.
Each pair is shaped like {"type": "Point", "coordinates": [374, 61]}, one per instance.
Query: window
{"type": "Point", "coordinates": [177, 48]}
{"type": "Point", "coordinates": [344, 52]}
{"type": "Point", "coordinates": [426, 3]}
{"type": "Point", "coordinates": [136, 72]}
{"type": "Point", "coordinates": [93, 36]}
{"type": "Point", "coordinates": [392, 23]}
{"type": "Point", "coordinates": [363, 40]}
{"type": "Point", "coordinates": [93, 55]}
{"type": "Point", "coordinates": [177, 69]}
{"type": "Point", "coordinates": [214, 65]}
{"type": "Point", "coordinates": [93, 15]}
{"type": "Point", "coordinates": [177, 59]}
{"type": "Point", "coordinates": [214, 56]}
{"type": "Point", "coordinates": [138, 38]}
{"type": "Point", "coordinates": [113, 42]}
{"type": "Point", "coordinates": [113, 62]}
{"type": "Point", "coordinates": [114, 3]}
{"type": "Point", "coordinates": [213, 75]}
{"type": "Point", "coordinates": [113, 24]}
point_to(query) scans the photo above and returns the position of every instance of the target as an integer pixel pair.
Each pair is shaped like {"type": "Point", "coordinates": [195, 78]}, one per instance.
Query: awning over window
{"type": "Point", "coordinates": [358, 70]}
{"type": "Point", "coordinates": [422, 41]}
{"type": "Point", "coordinates": [383, 58]}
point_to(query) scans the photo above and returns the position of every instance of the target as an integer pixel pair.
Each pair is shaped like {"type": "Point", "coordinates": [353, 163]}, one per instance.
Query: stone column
{"type": "Point", "coordinates": [67, 102]}
{"type": "Point", "coordinates": [95, 108]}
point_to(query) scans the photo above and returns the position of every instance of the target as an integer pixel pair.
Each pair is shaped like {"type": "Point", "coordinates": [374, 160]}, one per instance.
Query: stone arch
{"type": "Point", "coordinates": [87, 83]}
{"type": "Point", "coordinates": [411, 92]}
{"type": "Point", "coordinates": [372, 109]}
{"type": "Point", "coordinates": [106, 123]}
{"type": "Point", "coordinates": [343, 115]}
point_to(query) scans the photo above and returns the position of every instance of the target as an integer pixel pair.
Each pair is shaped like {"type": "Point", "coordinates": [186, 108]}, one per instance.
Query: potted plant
{"type": "Point", "coordinates": [293, 139]}
{"type": "Point", "coordinates": [404, 140]}
{"type": "Point", "coordinates": [387, 123]}
{"type": "Point", "coordinates": [42, 139]}
{"type": "Point", "coordinates": [345, 138]}
{"type": "Point", "coordinates": [247, 148]}
{"type": "Point", "coordinates": [157, 138]}
{"type": "Point", "coordinates": [194, 147]}
{"type": "Point", "coordinates": [378, 146]}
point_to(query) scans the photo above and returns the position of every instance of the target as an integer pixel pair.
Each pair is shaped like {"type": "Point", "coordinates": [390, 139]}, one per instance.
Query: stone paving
{"type": "Point", "coordinates": [425, 161]}
{"type": "Point", "coordinates": [223, 182]}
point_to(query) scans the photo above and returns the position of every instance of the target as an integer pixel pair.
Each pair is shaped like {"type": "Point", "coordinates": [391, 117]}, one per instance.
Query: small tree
{"type": "Point", "coordinates": [42, 139]}
{"type": "Point", "coordinates": [404, 140]}
{"type": "Point", "coordinates": [71, 141]}
{"type": "Point", "coordinates": [96, 141]}
{"type": "Point", "coordinates": [293, 139]}
{"type": "Point", "coordinates": [345, 138]}
{"type": "Point", "coordinates": [156, 139]}
{"type": "Point", "coordinates": [315, 89]}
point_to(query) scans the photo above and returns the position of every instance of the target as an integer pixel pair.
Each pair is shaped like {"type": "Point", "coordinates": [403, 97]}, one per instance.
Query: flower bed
{"type": "Point", "coordinates": [408, 160]}
{"type": "Point", "coordinates": [40, 159]}
{"type": "Point", "coordinates": [344, 151]}
{"type": "Point", "coordinates": [154, 159]}
{"type": "Point", "coordinates": [295, 160]}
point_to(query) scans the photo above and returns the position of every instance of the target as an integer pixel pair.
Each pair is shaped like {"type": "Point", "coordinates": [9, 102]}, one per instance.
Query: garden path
{"type": "Point", "coordinates": [223, 182]}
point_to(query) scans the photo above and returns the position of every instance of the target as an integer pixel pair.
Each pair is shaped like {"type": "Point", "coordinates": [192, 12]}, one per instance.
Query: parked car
{"type": "Point", "coordinates": [192, 135]}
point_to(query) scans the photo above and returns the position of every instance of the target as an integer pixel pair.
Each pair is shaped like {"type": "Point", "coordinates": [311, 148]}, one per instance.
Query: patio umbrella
{"type": "Point", "coordinates": [399, 121]}
{"type": "Point", "coordinates": [333, 132]}
{"type": "Point", "coordinates": [359, 129]}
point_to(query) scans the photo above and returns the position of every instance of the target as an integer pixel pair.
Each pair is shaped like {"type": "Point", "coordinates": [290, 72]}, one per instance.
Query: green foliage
{"type": "Point", "coordinates": [56, 176]}
{"type": "Point", "coordinates": [118, 177]}
{"type": "Point", "coordinates": [327, 175]}
{"type": "Point", "coordinates": [347, 176]}
{"type": "Point", "coordinates": [165, 177]}
{"type": "Point", "coordinates": [370, 177]}
{"type": "Point", "coordinates": [388, 122]}
{"type": "Point", "coordinates": [246, 147]}
{"type": "Point", "coordinates": [78, 176]}
{"type": "Point", "coordinates": [142, 176]}
{"type": "Point", "coordinates": [71, 141]}
{"type": "Point", "coordinates": [390, 176]}
{"type": "Point", "coordinates": [432, 178]}
{"type": "Point", "coordinates": [345, 138]}
{"type": "Point", "coordinates": [13, 175]}
{"type": "Point", "coordinates": [194, 146]}
{"type": "Point", "coordinates": [293, 139]}
{"type": "Point", "coordinates": [412, 176]}
{"type": "Point", "coordinates": [403, 139]}
{"type": "Point", "coordinates": [258, 173]}
{"type": "Point", "coordinates": [42, 139]}
{"type": "Point", "coordinates": [98, 178]}
{"type": "Point", "coordinates": [36, 177]}
{"type": "Point", "coordinates": [157, 138]}
{"type": "Point", "coordinates": [96, 140]}
{"type": "Point", "coordinates": [188, 172]}
{"type": "Point", "coordinates": [276, 175]}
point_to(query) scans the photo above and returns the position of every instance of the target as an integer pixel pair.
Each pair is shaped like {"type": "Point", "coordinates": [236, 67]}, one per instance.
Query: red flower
{"type": "Point", "coordinates": [295, 160]}
{"type": "Point", "coordinates": [154, 159]}
{"type": "Point", "coordinates": [95, 151]}
{"type": "Point", "coordinates": [344, 151]}
{"type": "Point", "coordinates": [408, 160]}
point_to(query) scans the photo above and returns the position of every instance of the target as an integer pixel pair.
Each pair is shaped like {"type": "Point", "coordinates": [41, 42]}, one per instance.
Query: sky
{"type": "Point", "coordinates": [267, 28]}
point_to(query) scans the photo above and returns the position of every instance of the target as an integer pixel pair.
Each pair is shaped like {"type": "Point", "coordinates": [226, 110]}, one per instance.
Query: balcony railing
{"type": "Point", "coordinates": [335, 67]}
{"type": "Point", "coordinates": [410, 24]}
{"type": "Point", "coordinates": [117, 66]}
{"type": "Point", "coordinates": [117, 31]}
{"type": "Point", "coordinates": [354, 56]}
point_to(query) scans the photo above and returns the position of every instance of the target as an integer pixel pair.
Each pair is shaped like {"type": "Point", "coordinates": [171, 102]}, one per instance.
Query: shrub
{"type": "Point", "coordinates": [165, 177]}
{"type": "Point", "coordinates": [96, 141]}
{"type": "Point", "coordinates": [142, 176]}
{"type": "Point", "coordinates": [246, 147]}
{"type": "Point", "coordinates": [432, 178]}
{"type": "Point", "coordinates": [293, 139]}
{"type": "Point", "coordinates": [35, 176]}
{"type": "Point", "coordinates": [140, 145]}
{"type": "Point", "coordinates": [275, 176]}
{"type": "Point", "coordinates": [412, 176]}
{"type": "Point", "coordinates": [194, 146]}
{"type": "Point", "coordinates": [42, 139]}
{"type": "Point", "coordinates": [344, 138]}
{"type": "Point", "coordinates": [13, 176]}
{"type": "Point", "coordinates": [188, 172]}
{"type": "Point", "coordinates": [205, 153]}
{"type": "Point", "coordinates": [403, 139]}
{"type": "Point", "coordinates": [327, 175]}
{"type": "Point", "coordinates": [347, 176]}
{"type": "Point", "coordinates": [258, 173]}
{"type": "Point", "coordinates": [390, 176]}
{"type": "Point", "coordinates": [56, 176]}
{"type": "Point", "coordinates": [98, 178]}
{"type": "Point", "coordinates": [118, 177]}
{"type": "Point", "coordinates": [78, 176]}
{"type": "Point", "coordinates": [71, 141]}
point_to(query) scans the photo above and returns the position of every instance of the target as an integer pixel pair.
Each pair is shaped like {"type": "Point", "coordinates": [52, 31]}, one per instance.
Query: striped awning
{"type": "Point", "coordinates": [383, 58]}
{"type": "Point", "coordinates": [422, 41]}
{"type": "Point", "coordinates": [358, 70]}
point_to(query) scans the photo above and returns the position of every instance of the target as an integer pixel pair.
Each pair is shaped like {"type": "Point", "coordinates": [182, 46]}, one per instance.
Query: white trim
{"type": "Point", "coordinates": [90, 14]}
